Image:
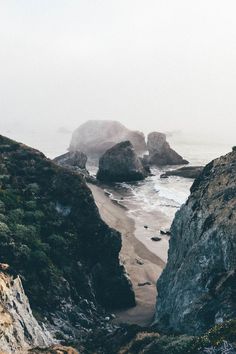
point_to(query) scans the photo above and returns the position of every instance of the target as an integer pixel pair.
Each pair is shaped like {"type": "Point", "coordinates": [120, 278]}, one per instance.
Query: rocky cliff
{"type": "Point", "coordinates": [96, 136]}
{"type": "Point", "coordinates": [198, 286]}
{"type": "Point", "coordinates": [52, 235]}
{"type": "Point", "coordinates": [19, 329]}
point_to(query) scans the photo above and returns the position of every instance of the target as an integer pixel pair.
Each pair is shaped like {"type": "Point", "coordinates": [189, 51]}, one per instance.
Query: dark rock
{"type": "Point", "coordinates": [164, 175]}
{"type": "Point", "coordinates": [146, 283]}
{"type": "Point", "coordinates": [160, 152]}
{"type": "Point", "coordinates": [121, 163]}
{"type": "Point", "coordinates": [146, 164]}
{"type": "Point", "coordinates": [72, 159]}
{"type": "Point", "coordinates": [140, 262]}
{"type": "Point", "coordinates": [75, 161]}
{"type": "Point", "coordinates": [95, 137]}
{"type": "Point", "coordinates": [145, 227]}
{"type": "Point", "coordinates": [198, 286]}
{"type": "Point", "coordinates": [186, 172]}
{"type": "Point", "coordinates": [165, 232]}
{"type": "Point", "coordinates": [156, 238]}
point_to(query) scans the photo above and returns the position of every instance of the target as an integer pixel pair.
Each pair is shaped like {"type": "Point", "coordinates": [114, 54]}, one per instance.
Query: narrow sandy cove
{"type": "Point", "coordinates": [141, 264]}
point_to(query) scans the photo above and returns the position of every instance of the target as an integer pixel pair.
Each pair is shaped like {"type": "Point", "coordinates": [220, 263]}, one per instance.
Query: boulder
{"type": "Point", "coordinates": [160, 152]}
{"type": "Point", "coordinates": [156, 238]}
{"type": "Point", "coordinates": [76, 159]}
{"type": "Point", "coordinates": [197, 288]}
{"type": "Point", "coordinates": [120, 164]}
{"type": "Point", "coordinates": [95, 137]}
{"type": "Point", "coordinates": [186, 172]}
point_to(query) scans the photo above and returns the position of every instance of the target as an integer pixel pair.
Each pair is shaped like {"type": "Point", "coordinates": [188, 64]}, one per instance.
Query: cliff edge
{"type": "Point", "coordinates": [198, 286]}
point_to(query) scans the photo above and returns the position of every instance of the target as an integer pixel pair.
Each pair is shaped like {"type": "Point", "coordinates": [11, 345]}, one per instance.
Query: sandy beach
{"type": "Point", "coordinates": [143, 265]}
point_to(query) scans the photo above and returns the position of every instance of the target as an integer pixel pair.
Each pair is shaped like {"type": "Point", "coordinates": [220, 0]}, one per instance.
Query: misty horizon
{"type": "Point", "coordinates": [162, 66]}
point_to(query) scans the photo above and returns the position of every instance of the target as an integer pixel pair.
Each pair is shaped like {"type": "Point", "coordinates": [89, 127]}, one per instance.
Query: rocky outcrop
{"type": "Point", "coordinates": [19, 330]}
{"type": "Point", "coordinates": [186, 172]}
{"type": "Point", "coordinates": [197, 288]}
{"type": "Point", "coordinates": [120, 164]}
{"type": "Point", "coordinates": [95, 137]}
{"type": "Point", "coordinates": [52, 235]}
{"type": "Point", "coordinates": [160, 152]}
{"type": "Point", "coordinates": [76, 159]}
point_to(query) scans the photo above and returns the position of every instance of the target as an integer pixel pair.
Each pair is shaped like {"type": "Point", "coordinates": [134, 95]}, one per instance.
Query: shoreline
{"type": "Point", "coordinates": [142, 265]}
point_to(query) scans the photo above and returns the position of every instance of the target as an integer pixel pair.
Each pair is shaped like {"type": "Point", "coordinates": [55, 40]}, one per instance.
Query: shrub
{"type": "Point", "coordinates": [4, 232]}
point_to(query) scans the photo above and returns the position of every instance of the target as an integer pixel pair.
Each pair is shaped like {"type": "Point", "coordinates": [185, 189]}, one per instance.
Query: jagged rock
{"type": "Point", "coordinates": [52, 235]}
{"type": "Point", "coordinates": [121, 163]}
{"type": "Point", "coordinates": [95, 137]}
{"type": "Point", "coordinates": [75, 159]}
{"type": "Point", "coordinates": [160, 152]}
{"type": "Point", "coordinates": [198, 286]}
{"type": "Point", "coordinates": [19, 330]}
{"type": "Point", "coordinates": [186, 172]}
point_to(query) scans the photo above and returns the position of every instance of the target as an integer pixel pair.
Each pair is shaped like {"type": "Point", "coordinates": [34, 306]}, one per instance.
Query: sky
{"type": "Point", "coordinates": [162, 65]}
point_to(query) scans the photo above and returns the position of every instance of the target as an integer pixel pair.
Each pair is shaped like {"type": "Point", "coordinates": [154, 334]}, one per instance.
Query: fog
{"type": "Point", "coordinates": [162, 65]}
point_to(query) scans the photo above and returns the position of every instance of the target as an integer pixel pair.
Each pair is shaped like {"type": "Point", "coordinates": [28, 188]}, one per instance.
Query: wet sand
{"type": "Point", "coordinates": [142, 265]}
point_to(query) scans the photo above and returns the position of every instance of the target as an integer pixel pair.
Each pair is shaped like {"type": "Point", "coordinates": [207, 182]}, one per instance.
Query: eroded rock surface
{"type": "Point", "coordinates": [19, 330]}
{"type": "Point", "coordinates": [198, 286]}
{"type": "Point", "coordinates": [160, 152]}
{"type": "Point", "coordinates": [120, 164]}
{"type": "Point", "coordinates": [75, 159]}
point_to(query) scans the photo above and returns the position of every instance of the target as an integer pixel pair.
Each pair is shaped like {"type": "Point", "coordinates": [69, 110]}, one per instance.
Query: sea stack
{"type": "Point", "coordinates": [197, 288]}
{"type": "Point", "coordinates": [95, 137]}
{"type": "Point", "coordinates": [160, 152]}
{"type": "Point", "coordinates": [121, 164]}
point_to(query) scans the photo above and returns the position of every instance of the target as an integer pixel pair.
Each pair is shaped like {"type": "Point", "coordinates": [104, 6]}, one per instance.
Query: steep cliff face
{"type": "Point", "coordinates": [19, 330]}
{"type": "Point", "coordinates": [52, 235]}
{"type": "Point", "coordinates": [198, 286]}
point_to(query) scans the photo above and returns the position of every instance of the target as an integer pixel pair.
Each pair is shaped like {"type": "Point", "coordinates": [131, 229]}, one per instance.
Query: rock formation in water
{"type": "Point", "coordinates": [160, 152]}
{"type": "Point", "coordinates": [19, 330]}
{"type": "Point", "coordinates": [95, 137]}
{"type": "Point", "coordinates": [186, 172]}
{"type": "Point", "coordinates": [121, 164]}
{"type": "Point", "coordinates": [198, 286]}
{"type": "Point", "coordinates": [52, 235]}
